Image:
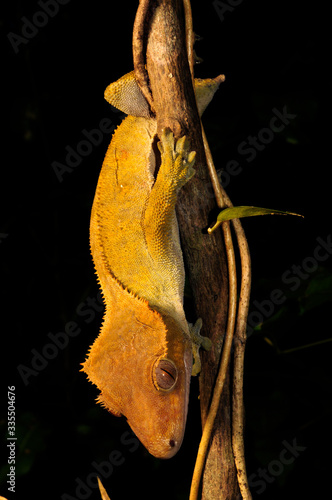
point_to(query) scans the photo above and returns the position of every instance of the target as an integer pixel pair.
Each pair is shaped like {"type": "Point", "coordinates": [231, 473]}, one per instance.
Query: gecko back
{"type": "Point", "coordinates": [142, 358]}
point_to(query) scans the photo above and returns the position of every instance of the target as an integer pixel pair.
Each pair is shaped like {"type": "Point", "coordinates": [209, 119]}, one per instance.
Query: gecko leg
{"type": "Point", "coordinates": [177, 161]}
{"type": "Point", "coordinates": [198, 341]}
{"type": "Point", "coordinates": [159, 219]}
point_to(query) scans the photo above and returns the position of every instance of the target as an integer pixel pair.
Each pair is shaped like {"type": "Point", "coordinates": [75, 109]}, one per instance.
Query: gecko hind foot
{"type": "Point", "coordinates": [176, 157]}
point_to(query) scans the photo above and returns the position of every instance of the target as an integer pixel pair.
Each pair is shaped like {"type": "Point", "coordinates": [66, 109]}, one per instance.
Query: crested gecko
{"type": "Point", "coordinates": [142, 359]}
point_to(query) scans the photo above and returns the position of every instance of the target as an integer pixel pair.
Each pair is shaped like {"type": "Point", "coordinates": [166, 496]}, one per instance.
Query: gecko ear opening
{"type": "Point", "coordinates": [165, 374]}
{"type": "Point", "coordinates": [125, 95]}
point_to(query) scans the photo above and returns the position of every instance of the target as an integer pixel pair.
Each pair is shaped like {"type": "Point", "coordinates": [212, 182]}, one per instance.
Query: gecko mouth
{"type": "Point", "coordinates": [165, 450]}
{"type": "Point", "coordinates": [158, 444]}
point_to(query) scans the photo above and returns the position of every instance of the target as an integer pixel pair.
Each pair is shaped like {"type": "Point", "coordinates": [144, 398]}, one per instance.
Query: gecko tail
{"type": "Point", "coordinates": [103, 492]}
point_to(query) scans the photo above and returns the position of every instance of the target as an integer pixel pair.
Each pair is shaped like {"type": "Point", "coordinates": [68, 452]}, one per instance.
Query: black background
{"type": "Point", "coordinates": [271, 54]}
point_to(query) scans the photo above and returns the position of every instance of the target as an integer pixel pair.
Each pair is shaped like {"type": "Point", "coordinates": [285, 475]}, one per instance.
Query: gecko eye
{"type": "Point", "coordinates": [165, 374]}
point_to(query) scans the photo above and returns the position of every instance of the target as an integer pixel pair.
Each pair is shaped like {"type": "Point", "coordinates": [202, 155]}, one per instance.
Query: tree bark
{"type": "Point", "coordinates": [175, 107]}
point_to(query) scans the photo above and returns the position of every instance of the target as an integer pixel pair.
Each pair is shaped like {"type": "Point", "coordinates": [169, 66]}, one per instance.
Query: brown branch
{"type": "Point", "coordinates": [169, 80]}
{"type": "Point", "coordinates": [240, 338]}
{"type": "Point", "coordinates": [139, 38]}
{"type": "Point", "coordinates": [240, 333]}
{"type": "Point", "coordinates": [175, 106]}
{"type": "Point", "coordinates": [169, 74]}
{"type": "Point", "coordinates": [223, 370]}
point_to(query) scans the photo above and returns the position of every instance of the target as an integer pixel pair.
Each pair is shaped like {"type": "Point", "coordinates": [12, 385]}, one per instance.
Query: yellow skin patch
{"type": "Point", "coordinates": [142, 359]}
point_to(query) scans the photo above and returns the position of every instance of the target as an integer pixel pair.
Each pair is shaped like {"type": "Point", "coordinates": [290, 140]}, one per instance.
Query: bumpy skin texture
{"type": "Point", "coordinates": [142, 358]}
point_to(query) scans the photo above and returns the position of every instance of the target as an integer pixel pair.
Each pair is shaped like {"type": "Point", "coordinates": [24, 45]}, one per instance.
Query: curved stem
{"type": "Point", "coordinates": [239, 341]}
{"type": "Point", "coordinates": [239, 348]}
{"type": "Point", "coordinates": [222, 201]}
{"type": "Point", "coordinates": [213, 410]}
{"type": "Point", "coordinates": [226, 353]}
{"type": "Point", "coordinates": [239, 337]}
{"type": "Point", "coordinates": [139, 29]}
{"type": "Point", "coordinates": [190, 37]}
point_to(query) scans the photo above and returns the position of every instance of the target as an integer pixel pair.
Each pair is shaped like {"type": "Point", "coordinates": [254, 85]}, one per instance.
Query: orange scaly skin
{"type": "Point", "coordinates": [142, 358]}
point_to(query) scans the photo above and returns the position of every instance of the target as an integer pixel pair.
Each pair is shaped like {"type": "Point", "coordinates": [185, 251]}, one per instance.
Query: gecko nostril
{"type": "Point", "coordinates": [172, 443]}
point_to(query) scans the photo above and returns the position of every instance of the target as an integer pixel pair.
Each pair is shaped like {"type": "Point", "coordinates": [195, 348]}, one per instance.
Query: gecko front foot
{"type": "Point", "coordinates": [198, 341]}
{"type": "Point", "coordinates": [177, 160]}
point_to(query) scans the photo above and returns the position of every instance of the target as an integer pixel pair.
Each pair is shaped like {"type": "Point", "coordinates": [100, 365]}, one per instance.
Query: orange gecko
{"type": "Point", "coordinates": [142, 359]}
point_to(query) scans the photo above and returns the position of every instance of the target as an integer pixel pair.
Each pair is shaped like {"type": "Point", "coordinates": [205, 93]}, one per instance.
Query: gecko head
{"type": "Point", "coordinates": [167, 383]}
{"type": "Point", "coordinates": [142, 362]}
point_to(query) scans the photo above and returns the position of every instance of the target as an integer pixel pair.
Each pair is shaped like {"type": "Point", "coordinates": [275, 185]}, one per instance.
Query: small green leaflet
{"type": "Point", "coordinates": [245, 211]}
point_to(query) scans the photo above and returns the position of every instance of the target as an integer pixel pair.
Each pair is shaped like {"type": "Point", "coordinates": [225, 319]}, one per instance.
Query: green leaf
{"type": "Point", "coordinates": [246, 211]}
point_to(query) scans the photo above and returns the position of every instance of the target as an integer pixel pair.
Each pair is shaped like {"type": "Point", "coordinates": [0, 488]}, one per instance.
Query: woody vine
{"type": "Point", "coordinates": [156, 22]}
